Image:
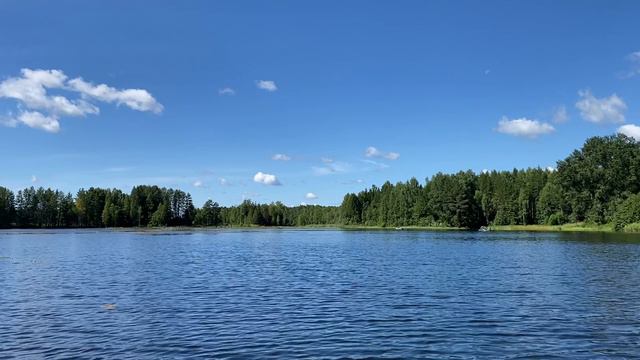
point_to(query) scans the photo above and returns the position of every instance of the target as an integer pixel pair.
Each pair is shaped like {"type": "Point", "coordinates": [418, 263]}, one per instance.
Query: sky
{"type": "Point", "coordinates": [304, 101]}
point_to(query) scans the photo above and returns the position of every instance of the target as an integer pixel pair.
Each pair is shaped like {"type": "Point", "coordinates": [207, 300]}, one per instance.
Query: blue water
{"type": "Point", "coordinates": [322, 294]}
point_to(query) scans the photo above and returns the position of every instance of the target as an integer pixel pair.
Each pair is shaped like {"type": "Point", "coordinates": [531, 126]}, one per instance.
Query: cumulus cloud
{"type": "Point", "coordinates": [560, 115]}
{"type": "Point", "coordinates": [630, 130]}
{"type": "Point", "coordinates": [41, 110]}
{"type": "Point", "coordinates": [311, 196]}
{"type": "Point", "coordinates": [281, 157]}
{"type": "Point", "coordinates": [267, 85]}
{"type": "Point", "coordinates": [524, 127]}
{"type": "Point", "coordinates": [266, 179]}
{"type": "Point", "coordinates": [373, 152]}
{"type": "Point", "coordinates": [226, 91]}
{"type": "Point", "coordinates": [601, 110]}
{"type": "Point", "coordinates": [198, 183]}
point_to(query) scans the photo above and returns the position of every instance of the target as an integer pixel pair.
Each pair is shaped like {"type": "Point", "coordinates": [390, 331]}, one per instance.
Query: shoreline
{"type": "Point", "coordinates": [573, 227]}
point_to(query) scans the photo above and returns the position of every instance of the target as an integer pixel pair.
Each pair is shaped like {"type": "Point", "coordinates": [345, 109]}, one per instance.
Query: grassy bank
{"type": "Point", "coordinates": [576, 227]}
{"type": "Point", "coordinates": [424, 228]}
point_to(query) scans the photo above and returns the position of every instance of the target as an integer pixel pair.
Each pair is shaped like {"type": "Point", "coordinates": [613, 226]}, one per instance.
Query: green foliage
{"type": "Point", "coordinates": [628, 213]}
{"type": "Point", "coordinates": [604, 171]}
{"type": "Point", "coordinates": [161, 216]}
{"type": "Point", "coordinates": [208, 215]}
{"type": "Point", "coordinates": [632, 228]}
{"type": "Point", "coordinates": [7, 208]}
{"type": "Point", "coordinates": [44, 208]}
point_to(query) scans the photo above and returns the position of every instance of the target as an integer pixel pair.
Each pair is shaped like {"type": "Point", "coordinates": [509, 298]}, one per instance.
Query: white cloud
{"type": "Point", "coordinates": [136, 99]}
{"type": "Point", "coordinates": [41, 110]}
{"type": "Point", "coordinates": [226, 91]}
{"type": "Point", "coordinates": [524, 127]}
{"type": "Point", "coordinates": [224, 182]}
{"type": "Point", "coordinates": [266, 179]}
{"type": "Point", "coordinates": [198, 183]}
{"type": "Point", "coordinates": [268, 85]}
{"type": "Point", "coordinates": [311, 196]}
{"type": "Point", "coordinates": [603, 110]}
{"type": "Point", "coordinates": [374, 152]}
{"type": "Point", "coordinates": [35, 120]}
{"type": "Point", "coordinates": [630, 130]}
{"type": "Point", "coordinates": [560, 115]}
{"type": "Point", "coordinates": [326, 160]}
{"type": "Point", "coordinates": [551, 169]}
{"type": "Point", "coordinates": [34, 179]}
{"type": "Point", "coordinates": [281, 157]}
{"type": "Point", "coordinates": [485, 171]}
{"type": "Point", "coordinates": [31, 91]}
{"type": "Point", "coordinates": [392, 156]}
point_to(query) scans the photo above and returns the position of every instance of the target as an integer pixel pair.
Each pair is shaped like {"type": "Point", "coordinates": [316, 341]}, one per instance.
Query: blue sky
{"type": "Point", "coordinates": [349, 93]}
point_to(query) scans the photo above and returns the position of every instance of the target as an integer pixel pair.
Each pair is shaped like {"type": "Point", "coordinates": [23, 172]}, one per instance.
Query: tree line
{"type": "Point", "coordinates": [599, 183]}
{"type": "Point", "coordinates": [145, 206]}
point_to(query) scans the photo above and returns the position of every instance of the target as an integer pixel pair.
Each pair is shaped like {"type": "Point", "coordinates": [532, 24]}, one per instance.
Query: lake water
{"type": "Point", "coordinates": [323, 294]}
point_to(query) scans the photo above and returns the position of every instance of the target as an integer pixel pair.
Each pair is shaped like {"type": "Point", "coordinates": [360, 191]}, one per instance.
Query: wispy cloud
{"type": "Point", "coordinates": [601, 110]}
{"type": "Point", "coordinates": [40, 110]}
{"type": "Point", "coordinates": [524, 127]}
{"type": "Point", "coordinates": [560, 115]}
{"type": "Point", "coordinates": [34, 179]}
{"type": "Point", "coordinates": [136, 99]}
{"type": "Point", "coordinates": [373, 152]}
{"type": "Point", "coordinates": [352, 182]}
{"type": "Point", "coordinates": [634, 65]}
{"type": "Point", "coordinates": [117, 169]}
{"type": "Point", "coordinates": [281, 157]}
{"type": "Point", "coordinates": [376, 164]}
{"type": "Point", "coordinates": [335, 167]}
{"type": "Point", "coordinates": [226, 91]}
{"type": "Point", "coordinates": [267, 85]}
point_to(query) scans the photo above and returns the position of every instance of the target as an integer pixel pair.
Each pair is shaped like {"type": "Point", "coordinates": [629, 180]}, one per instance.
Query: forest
{"type": "Point", "coordinates": [597, 184]}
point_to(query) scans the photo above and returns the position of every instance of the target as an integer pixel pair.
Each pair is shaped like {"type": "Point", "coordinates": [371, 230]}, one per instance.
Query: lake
{"type": "Point", "coordinates": [318, 293]}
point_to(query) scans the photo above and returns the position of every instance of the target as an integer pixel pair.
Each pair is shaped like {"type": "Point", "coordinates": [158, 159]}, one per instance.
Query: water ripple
{"type": "Point", "coordinates": [325, 294]}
